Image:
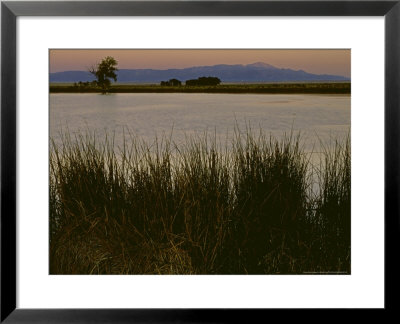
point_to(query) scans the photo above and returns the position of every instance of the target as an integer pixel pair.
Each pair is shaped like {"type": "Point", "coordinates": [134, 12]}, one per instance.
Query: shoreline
{"type": "Point", "coordinates": [266, 88]}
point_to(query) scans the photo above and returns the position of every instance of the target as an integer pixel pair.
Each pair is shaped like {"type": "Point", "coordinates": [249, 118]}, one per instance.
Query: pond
{"type": "Point", "coordinates": [318, 118]}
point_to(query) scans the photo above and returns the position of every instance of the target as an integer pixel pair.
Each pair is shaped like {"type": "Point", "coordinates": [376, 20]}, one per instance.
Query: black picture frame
{"type": "Point", "coordinates": [10, 10]}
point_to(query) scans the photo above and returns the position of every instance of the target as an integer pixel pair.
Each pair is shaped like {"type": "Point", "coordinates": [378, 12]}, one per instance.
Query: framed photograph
{"type": "Point", "coordinates": [197, 161]}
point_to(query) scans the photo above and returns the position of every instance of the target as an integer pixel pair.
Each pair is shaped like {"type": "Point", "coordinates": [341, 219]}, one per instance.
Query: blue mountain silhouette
{"type": "Point", "coordinates": [256, 72]}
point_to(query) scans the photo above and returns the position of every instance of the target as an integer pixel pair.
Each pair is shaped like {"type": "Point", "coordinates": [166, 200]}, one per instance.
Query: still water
{"type": "Point", "coordinates": [317, 117]}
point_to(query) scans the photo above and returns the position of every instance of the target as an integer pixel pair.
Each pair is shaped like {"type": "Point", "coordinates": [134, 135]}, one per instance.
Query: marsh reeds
{"type": "Point", "coordinates": [198, 207]}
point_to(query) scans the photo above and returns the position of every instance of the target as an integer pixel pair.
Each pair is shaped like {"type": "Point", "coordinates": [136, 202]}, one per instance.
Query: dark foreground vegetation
{"type": "Point", "coordinates": [195, 209]}
{"type": "Point", "coordinates": [285, 88]}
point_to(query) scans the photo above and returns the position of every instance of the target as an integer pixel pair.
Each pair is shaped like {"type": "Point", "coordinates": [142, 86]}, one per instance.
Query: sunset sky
{"type": "Point", "coordinates": [335, 62]}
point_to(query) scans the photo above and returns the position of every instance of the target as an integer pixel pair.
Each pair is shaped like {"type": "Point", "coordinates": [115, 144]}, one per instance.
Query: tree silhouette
{"type": "Point", "coordinates": [203, 81]}
{"type": "Point", "coordinates": [171, 83]}
{"type": "Point", "coordinates": [104, 72]}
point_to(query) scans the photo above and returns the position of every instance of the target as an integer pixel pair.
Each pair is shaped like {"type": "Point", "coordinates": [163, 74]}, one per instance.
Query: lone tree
{"type": "Point", "coordinates": [104, 72]}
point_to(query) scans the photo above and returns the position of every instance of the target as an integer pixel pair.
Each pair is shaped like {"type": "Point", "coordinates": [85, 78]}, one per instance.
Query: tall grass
{"type": "Point", "coordinates": [333, 208]}
{"type": "Point", "coordinates": [198, 207]}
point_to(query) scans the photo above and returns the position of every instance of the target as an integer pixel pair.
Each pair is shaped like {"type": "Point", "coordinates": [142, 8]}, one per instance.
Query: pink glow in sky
{"type": "Point", "coordinates": [325, 61]}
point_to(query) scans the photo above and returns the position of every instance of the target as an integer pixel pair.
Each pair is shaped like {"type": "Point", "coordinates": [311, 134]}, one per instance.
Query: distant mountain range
{"type": "Point", "coordinates": [256, 72]}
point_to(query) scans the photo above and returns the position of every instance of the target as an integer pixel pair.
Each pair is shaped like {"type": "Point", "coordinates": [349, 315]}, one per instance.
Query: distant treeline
{"type": "Point", "coordinates": [171, 83]}
{"type": "Point", "coordinates": [199, 82]}
{"type": "Point", "coordinates": [176, 86]}
{"type": "Point", "coordinates": [203, 81]}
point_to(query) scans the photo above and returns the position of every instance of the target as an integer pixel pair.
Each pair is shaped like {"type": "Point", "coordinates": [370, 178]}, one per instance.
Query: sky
{"type": "Point", "coordinates": [324, 61]}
